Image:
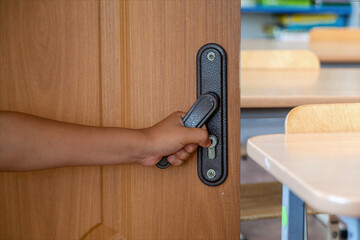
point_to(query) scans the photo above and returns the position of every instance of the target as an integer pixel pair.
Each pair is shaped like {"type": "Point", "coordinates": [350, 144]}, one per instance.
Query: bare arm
{"type": "Point", "coordinates": [31, 143]}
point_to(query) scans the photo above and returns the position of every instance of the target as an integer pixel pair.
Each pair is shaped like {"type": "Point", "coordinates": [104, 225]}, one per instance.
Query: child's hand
{"type": "Point", "coordinates": [170, 138]}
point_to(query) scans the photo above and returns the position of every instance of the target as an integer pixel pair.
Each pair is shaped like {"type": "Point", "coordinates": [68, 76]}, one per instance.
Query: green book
{"type": "Point", "coordinates": [279, 3]}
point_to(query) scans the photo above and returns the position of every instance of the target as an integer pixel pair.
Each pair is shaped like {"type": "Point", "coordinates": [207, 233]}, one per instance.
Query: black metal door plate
{"type": "Point", "coordinates": [211, 78]}
{"type": "Point", "coordinates": [198, 114]}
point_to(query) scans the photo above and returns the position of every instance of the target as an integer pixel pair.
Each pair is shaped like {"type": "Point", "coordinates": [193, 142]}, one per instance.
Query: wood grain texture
{"type": "Point", "coordinates": [115, 63]}
{"type": "Point", "coordinates": [116, 103]}
{"type": "Point", "coordinates": [260, 200]}
{"type": "Point", "coordinates": [336, 44]}
{"type": "Point", "coordinates": [49, 68]}
{"type": "Point", "coordinates": [279, 60]}
{"type": "Point", "coordinates": [325, 118]}
{"type": "Point", "coordinates": [158, 45]}
{"type": "Point", "coordinates": [307, 164]}
{"type": "Point", "coordinates": [293, 88]}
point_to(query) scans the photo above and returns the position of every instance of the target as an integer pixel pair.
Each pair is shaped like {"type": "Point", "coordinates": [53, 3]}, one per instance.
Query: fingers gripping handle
{"type": "Point", "coordinates": [201, 111]}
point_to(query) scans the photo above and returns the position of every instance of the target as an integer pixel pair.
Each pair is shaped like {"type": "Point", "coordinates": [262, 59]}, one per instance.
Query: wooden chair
{"type": "Point", "coordinates": [263, 200]}
{"type": "Point", "coordinates": [336, 44]}
{"type": "Point", "coordinates": [275, 63]}
{"type": "Point", "coordinates": [324, 118]}
{"type": "Point", "coordinates": [279, 60]}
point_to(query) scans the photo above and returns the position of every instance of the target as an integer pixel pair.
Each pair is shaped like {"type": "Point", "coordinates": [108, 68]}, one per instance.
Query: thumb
{"type": "Point", "coordinates": [197, 135]}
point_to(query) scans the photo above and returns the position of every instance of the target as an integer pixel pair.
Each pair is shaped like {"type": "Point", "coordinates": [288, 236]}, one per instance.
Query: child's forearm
{"type": "Point", "coordinates": [31, 143]}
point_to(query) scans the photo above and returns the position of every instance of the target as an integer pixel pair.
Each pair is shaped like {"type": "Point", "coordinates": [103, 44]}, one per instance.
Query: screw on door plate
{"type": "Point", "coordinates": [211, 56]}
{"type": "Point", "coordinates": [211, 173]}
{"type": "Point", "coordinates": [212, 148]}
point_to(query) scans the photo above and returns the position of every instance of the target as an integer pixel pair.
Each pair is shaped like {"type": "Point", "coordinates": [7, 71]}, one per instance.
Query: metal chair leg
{"type": "Point", "coordinates": [353, 227]}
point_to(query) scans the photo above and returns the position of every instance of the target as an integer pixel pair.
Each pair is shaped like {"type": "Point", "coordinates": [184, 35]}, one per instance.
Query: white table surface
{"type": "Point", "coordinates": [322, 169]}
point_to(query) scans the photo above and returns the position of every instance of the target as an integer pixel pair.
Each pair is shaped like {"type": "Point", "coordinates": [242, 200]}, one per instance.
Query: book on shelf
{"type": "Point", "coordinates": [333, 2]}
{"type": "Point", "coordinates": [248, 3]}
{"type": "Point", "coordinates": [307, 21]}
{"type": "Point", "coordinates": [287, 3]}
{"type": "Point", "coordinates": [296, 26]}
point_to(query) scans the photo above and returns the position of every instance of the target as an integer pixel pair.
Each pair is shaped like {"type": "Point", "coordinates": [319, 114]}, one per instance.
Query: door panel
{"type": "Point", "coordinates": [116, 63]}
{"type": "Point", "coordinates": [158, 45]}
{"type": "Point", "coordinates": [49, 67]}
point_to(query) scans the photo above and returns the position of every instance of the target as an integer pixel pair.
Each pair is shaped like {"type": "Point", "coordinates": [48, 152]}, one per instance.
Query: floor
{"type": "Point", "coordinates": [269, 229]}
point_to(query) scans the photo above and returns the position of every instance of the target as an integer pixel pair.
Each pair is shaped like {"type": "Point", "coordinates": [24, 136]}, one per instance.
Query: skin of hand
{"type": "Point", "coordinates": [30, 143]}
{"type": "Point", "coordinates": [170, 137]}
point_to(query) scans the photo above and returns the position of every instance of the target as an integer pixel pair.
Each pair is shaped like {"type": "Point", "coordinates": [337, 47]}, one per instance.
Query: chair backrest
{"type": "Point", "coordinates": [335, 35]}
{"type": "Point", "coordinates": [340, 45]}
{"type": "Point", "coordinates": [324, 118]}
{"type": "Point", "coordinates": [279, 60]}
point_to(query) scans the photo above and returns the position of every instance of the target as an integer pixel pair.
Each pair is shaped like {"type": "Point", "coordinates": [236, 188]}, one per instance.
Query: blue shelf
{"type": "Point", "coordinates": [340, 10]}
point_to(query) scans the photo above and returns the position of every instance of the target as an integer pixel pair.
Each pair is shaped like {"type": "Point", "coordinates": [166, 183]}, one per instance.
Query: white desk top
{"type": "Point", "coordinates": [274, 89]}
{"type": "Point", "coordinates": [322, 169]}
{"type": "Point", "coordinates": [271, 44]}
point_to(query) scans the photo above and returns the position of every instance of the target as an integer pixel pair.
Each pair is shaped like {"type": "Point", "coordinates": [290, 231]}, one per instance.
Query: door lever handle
{"type": "Point", "coordinates": [198, 114]}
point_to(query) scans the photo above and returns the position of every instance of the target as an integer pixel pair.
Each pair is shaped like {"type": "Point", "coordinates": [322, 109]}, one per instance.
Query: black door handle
{"type": "Point", "coordinates": [211, 107]}
{"type": "Point", "coordinates": [211, 76]}
{"type": "Point", "coordinates": [198, 114]}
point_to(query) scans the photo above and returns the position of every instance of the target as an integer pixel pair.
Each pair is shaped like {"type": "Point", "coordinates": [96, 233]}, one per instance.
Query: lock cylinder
{"type": "Point", "coordinates": [212, 148]}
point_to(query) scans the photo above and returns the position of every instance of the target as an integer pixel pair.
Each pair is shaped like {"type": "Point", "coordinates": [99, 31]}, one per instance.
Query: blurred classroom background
{"type": "Point", "coordinates": [273, 82]}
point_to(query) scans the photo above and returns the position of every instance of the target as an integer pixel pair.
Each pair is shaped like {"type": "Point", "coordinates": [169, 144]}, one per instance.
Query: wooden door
{"type": "Point", "coordinates": [116, 63]}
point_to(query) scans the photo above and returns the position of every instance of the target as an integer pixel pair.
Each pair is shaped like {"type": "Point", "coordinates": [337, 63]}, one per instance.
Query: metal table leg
{"type": "Point", "coordinates": [293, 216]}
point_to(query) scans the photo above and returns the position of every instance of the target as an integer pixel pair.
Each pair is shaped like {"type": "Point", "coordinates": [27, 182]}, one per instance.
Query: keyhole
{"type": "Point", "coordinates": [212, 148]}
